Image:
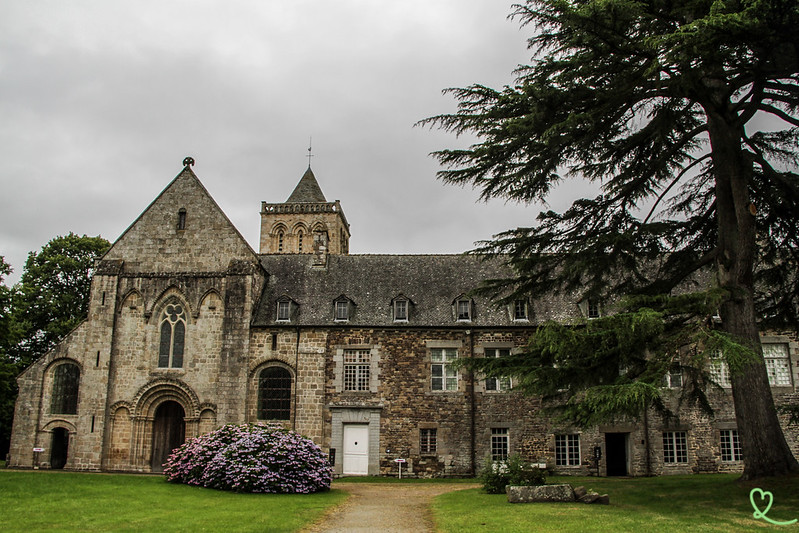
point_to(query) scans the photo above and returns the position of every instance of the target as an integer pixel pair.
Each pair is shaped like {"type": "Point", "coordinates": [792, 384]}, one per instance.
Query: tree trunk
{"type": "Point", "coordinates": [765, 451]}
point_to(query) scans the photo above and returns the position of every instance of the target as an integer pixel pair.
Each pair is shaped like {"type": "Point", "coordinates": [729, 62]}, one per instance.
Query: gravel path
{"type": "Point", "coordinates": [384, 507]}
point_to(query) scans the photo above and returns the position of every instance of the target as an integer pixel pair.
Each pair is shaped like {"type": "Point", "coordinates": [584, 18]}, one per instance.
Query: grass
{"type": "Point", "coordinates": [660, 504]}
{"type": "Point", "coordinates": [68, 501]}
{"type": "Point", "coordinates": [377, 479]}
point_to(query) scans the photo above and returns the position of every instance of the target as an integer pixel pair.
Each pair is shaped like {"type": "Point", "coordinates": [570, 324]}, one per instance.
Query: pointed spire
{"type": "Point", "coordinates": [307, 190]}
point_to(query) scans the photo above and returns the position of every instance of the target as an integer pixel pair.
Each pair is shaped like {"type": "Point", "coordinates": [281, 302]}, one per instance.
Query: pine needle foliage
{"type": "Point", "coordinates": [684, 114]}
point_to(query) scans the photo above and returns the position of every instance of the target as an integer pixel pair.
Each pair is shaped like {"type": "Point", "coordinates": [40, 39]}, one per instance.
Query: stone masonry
{"type": "Point", "coordinates": [186, 322]}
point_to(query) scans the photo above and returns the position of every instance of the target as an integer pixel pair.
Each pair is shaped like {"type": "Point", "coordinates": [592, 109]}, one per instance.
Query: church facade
{"type": "Point", "coordinates": [190, 329]}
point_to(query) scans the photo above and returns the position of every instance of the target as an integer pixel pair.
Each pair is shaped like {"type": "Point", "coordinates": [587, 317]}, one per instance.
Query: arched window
{"type": "Point", "coordinates": [173, 336]}
{"type": "Point", "coordinates": [280, 241]}
{"type": "Point", "coordinates": [299, 241]}
{"type": "Point", "coordinates": [66, 379]}
{"type": "Point", "coordinates": [274, 394]}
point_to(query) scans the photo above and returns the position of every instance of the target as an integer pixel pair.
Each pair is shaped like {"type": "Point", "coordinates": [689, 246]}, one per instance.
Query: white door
{"type": "Point", "coordinates": [356, 450]}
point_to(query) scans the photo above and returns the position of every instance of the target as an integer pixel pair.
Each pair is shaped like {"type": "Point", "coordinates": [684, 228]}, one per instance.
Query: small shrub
{"type": "Point", "coordinates": [495, 475]}
{"type": "Point", "coordinates": [251, 458]}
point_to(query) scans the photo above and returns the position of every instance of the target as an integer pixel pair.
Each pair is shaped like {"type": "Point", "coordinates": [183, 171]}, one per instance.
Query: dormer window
{"type": "Point", "coordinates": [463, 309]}
{"type": "Point", "coordinates": [520, 310]}
{"type": "Point", "coordinates": [342, 309]}
{"type": "Point", "coordinates": [400, 308]}
{"type": "Point", "coordinates": [286, 307]}
{"type": "Point", "coordinates": [283, 311]}
{"type": "Point", "coordinates": [401, 311]}
{"type": "Point", "coordinates": [593, 309]}
{"type": "Point", "coordinates": [182, 219]}
{"type": "Point", "coordinates": [590, 308]}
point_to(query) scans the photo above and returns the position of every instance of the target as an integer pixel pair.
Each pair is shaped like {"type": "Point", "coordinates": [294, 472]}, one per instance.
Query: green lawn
{"type": "Point", "coordinates": [646, 505]}
{"type": "Point", "coordinates": [66, 501]}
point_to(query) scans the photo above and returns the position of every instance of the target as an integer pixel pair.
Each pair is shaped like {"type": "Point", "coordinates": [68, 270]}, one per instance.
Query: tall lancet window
{"type": "Point", "coordinates": [182, 219]}
{"type": "Point", "coordinates": [66, 379]}
{"type": "Point", "coordinates": [299, 241]}
{"type": "Point", "coordinates": [173, 336]}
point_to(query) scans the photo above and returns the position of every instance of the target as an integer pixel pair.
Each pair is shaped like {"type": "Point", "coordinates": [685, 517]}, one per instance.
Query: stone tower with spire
{"type": "Point", "coordinates": [306, 223]}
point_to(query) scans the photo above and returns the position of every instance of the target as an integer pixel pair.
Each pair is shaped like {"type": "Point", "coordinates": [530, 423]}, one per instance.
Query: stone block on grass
{"type": "Point", "coordinates": [540, 493]}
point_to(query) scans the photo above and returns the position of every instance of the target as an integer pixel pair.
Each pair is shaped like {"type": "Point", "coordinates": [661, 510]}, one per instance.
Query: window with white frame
{"type": "Point", "coordinates": [673, 378]}
{"type": "Point", "coordinates": [675, 447]}
{"type": "Point", "coordinates": [500, 383]}
{"type": "Point", "coordinates": [357, 368]}
{"type": "Point", "coordinates": [567, 450]}
{"type": "Point", "coordinates": [444, 377]}
{"type": "Point", "coordinates": [499, 444]}
{"type": "Point", "coordinates": [777, 364]}
{"type": "Point", "coordinates": [400, 310]}
{"type": "Point", "coordinates": [520, 310]}
{"type": "Point", "coordinates": [593, 309]}
{"type": "Point", "coordinates": [428, 440]}
{"type": "Point", "coordinates": [342, 310]}
{"type": "Point", "coordinates": [719, 370]}
{"type": "Point", "coordinates": [464, 309]}
{"type": "Point", "coordinates": [283, 311]}
{"type": "Point", "coordinates": [730, 446]}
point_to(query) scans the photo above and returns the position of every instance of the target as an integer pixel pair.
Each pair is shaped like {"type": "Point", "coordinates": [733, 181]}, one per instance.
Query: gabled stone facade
{"type": "Point", "coordinates": [190, 329]}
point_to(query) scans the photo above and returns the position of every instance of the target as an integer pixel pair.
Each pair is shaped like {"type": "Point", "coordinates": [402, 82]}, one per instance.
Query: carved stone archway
{"type": "Point", "coordinates": [155, 409]}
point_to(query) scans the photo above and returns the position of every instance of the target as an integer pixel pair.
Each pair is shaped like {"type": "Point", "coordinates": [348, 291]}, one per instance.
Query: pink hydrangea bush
{"type": "Point", "coordinates": [251, 458]}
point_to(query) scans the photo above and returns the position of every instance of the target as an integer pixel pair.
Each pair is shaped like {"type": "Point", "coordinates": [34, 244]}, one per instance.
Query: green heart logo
{"type": "Point", "coordinates": [758, 514]}
{"type": "Point", "coordinates": [763, 495]}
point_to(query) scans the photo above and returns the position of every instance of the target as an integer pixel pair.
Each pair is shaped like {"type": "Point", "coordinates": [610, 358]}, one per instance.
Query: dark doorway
{"type": "Point", "coordinates": [616, 453]}
{"type": "Point", "coordinates": [59, 448]}
{"type": "Point", "coordinates": [169, 431]}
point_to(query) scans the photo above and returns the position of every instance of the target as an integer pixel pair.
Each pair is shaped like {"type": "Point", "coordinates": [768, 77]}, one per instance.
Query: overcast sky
{"type": "Point", "coordinates": [100, 101]}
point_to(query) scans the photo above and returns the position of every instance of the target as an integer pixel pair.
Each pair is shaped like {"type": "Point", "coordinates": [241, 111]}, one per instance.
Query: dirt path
{"type": "Point", "coordinates": [384, 507]}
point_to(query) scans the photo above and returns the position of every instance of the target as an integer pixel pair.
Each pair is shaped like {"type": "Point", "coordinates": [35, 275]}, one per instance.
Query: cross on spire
{"type": "Point", "coordinates": [310, 155]}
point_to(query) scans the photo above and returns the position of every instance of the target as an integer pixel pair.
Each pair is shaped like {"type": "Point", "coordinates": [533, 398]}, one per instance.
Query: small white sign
{"type": "Point", "coordinates": [38, 449]}
{"type": "Point", "coordinates": [400, 461]}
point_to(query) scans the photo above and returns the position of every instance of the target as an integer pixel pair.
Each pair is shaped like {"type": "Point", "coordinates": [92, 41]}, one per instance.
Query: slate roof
{"type": "Point", "coordinates": [431, 283]}
{"type": "Point", "coordinates": [307, 190]}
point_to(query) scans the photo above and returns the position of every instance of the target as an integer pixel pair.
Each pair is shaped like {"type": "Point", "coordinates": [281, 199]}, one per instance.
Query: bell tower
{"type": "Point", "coordinates": [306, 223]}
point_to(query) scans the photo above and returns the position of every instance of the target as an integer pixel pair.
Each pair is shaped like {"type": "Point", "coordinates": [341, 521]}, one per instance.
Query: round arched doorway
{"type": "Point", "coordinates": [169, 432]}
{"type": "Point", "coordinates": [59, 448]}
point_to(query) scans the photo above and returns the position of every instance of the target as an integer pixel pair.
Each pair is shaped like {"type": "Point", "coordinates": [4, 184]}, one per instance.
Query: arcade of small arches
{"type": "Point", "coordinates": [297, 239]}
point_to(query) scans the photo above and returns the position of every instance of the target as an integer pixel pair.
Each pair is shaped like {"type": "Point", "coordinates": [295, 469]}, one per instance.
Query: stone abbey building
{"type": "Point", "coordinates": [189, 329]}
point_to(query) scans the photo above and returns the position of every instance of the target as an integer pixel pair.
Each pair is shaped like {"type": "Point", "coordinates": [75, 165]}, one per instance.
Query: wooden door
{"type": "Point", "coordinates": [169, 431]}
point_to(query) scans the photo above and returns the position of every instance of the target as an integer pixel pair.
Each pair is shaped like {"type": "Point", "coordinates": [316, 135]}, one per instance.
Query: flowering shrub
{"type": "Point", "coordinates": [495, 475]}
{"type": "Point", "coordinates": [251, 458]}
